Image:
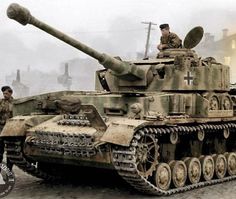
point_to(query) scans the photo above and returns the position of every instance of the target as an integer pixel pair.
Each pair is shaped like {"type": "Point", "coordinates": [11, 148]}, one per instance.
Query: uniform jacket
{"type": "Point", "coordinates": [172, 41]}
{"type": "Point", "coordinates": [6, 107]}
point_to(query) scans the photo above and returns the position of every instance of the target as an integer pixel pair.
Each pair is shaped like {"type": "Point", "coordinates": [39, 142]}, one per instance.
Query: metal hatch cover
{"type": "Point", "coordinates": [193, 37]}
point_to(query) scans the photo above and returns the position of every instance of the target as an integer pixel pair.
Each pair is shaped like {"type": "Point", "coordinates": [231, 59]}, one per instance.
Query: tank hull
{"type": "Point", "coordinates": [60, 148]}
{"type": "Point", "coordinates": [160, 152]}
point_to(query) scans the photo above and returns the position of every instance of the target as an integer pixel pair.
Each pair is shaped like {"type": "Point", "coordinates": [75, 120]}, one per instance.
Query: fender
{"type": "Point", "coordinates": [17, 126]}
{"type": "Point", "coordinates": [122, 132]}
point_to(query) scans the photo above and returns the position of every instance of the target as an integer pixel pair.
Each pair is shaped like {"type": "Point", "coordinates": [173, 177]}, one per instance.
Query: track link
{"type": "Point", "coordinates": [125, 161]}
{"type": "Point", "coordinates": [14, 149]}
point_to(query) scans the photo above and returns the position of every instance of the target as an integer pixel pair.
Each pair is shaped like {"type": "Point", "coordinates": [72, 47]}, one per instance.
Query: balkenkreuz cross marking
{"type": "Point", "coordinates": [188, 78]}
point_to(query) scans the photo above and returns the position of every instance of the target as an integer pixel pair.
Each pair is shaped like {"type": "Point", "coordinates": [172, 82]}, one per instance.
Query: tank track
{"type": "Point", "coordinates": [75, 145]}
{"type": "Point", "coordinates": [56, 143]}
{"type": "Point", "coordinates": [74, 120]}
{"type": "Point", "coordinates": [14, 149]}
{"type": "Point", "coordinates": [124, 159]}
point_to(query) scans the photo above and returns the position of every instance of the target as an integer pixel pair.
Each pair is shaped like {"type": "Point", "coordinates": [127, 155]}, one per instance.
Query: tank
{"type": "Point", "coordinates": [165, 125]}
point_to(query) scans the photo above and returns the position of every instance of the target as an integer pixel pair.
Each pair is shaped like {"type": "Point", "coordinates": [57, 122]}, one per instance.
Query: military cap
{"type": "Point", "coordinates": [165, 25]}
{"type": "Point", "coordinates": [4, 88]}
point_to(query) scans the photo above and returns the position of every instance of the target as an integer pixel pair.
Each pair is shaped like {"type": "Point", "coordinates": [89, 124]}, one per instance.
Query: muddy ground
{"type": "Point", "coordinates": [102, 187]}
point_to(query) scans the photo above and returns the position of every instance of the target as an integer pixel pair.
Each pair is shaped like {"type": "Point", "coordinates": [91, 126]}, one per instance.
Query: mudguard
{"type": "Point", "coordinates": [121, 132]}
{"type": "Point", "coordinates": [18, 125]}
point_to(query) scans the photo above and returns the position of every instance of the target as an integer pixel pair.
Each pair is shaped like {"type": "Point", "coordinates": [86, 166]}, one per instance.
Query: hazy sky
{"type": "Point", "coordinates": [91, 17]}
{"type": "Point", "coordinates": [111, 26]}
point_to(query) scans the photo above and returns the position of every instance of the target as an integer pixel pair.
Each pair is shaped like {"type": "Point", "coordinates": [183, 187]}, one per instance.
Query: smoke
{"type": "Point", "coordinates": [126, 35]}
{"type": "Point", "coordinates": [216, 19]}
{"type": "Point", "coordinates": [13, 54]}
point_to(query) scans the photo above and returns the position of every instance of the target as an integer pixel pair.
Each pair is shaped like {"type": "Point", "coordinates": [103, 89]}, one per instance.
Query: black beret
{"type": "Point", "coordinates": [4, 88]}
{"type": "Point", "coordinates": [165, 25]}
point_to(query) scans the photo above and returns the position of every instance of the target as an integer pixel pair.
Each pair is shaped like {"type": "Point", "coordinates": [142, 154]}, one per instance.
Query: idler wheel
{"type": "Point", "coordinates": [208, 167]}
{"type": "Point", "coordinates": [163, 176]}
{"type": "Point", "coordinates": [231, 163]}
{"type": "Point", "coordinates": [220, 165]}
{"type": "Point", "coordinates": [179, 173]}
{"type": "Point", "coordinates": [194, 169]}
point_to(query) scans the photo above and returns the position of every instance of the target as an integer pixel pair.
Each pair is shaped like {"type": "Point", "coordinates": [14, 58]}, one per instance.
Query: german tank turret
{"type": "Point", "coordinates": [166, 125]}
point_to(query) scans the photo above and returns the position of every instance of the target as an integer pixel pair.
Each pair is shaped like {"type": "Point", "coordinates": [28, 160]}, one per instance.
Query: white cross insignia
{"type": "Point", "coordinates": [188, 78]}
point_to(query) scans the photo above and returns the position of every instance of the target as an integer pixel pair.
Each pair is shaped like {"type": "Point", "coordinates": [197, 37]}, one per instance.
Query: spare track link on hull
{"type": "Point", "coordinates": [14, 149]}
{"type": "Point", "coordinates": [124, 160]}
{"type": "Point", "coordinates": [55, 143]}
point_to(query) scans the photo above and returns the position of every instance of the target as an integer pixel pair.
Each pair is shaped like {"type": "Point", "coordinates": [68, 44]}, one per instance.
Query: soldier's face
{"type": "Point", "coordinates": [165, 32]}
{"type": "Point", "coordinates": [7, 94]}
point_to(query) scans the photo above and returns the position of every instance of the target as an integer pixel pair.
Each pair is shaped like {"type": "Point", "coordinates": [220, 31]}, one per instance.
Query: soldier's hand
{"type": "Point", "coordinates": [164, 46]}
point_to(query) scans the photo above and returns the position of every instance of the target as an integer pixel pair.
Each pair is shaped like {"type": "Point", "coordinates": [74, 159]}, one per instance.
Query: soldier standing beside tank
{"type": "Point", "coordinates": [5, 114]}
{"type": "Point", "coordinates": [168, 39]}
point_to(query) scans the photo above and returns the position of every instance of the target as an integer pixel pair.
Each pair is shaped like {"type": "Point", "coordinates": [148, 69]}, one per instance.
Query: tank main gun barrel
{"type": "Point", "coordinates": [120, 68]}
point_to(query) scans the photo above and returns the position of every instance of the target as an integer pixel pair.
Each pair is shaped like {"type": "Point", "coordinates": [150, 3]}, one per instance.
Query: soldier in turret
{"type": "Point", "coordinates": [168, 39]}
{"type": "Point", "coordinates": [5, 114]}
